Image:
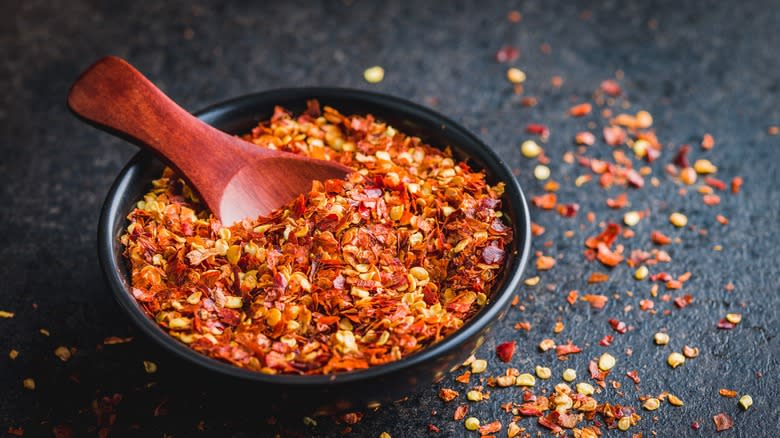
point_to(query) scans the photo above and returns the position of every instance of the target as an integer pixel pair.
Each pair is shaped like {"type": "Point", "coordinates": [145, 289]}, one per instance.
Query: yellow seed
{"type": "Point", "coordinates": [233, 254]}
{"type": "Point", "coordinates": [541, 172]}
{"type": "Point", "coordinates": [585, 388]}
{"type": "Point", "coordinates": [396, 212]}
{"type": "Point", "coordinates": [419, 273]}
{"type": "Point", "coordinates": [374, 75]}
{"type": "Point", "coordinates": [13, 354]}
{"type": "Point", "coordinates": [640, 148]}
{"type": "Point", "coordinates": [381, 435]}
{"type": "Point", "coordinates": [194, 297]}
{"type": "Point", "coordinates": [675, 359]}
{"type": "Point", "coordinates": [471, 423]}
{"type": "Point", "coordinates": [624, 423]}
{"type": "Point", "coordinates": [746, 402]}
{"type": "Point", "coordinates": [569, 375]}
{"type": "Point", "coordinates": [641, 273]}
{"type": "Point", "coordinates": [582, 179]}
{"type": "Point", "coordinates": [651, 404]}
{"type": "Point", "coordinates": [734, 318]}
{"type": "Point", "coordinates": [674, 400]}
{"type": "Point", "coordinates": [679, 220]}
{"type": "Point", "coordinates": [273, 316]}
{"type": "Point", "coordinates": [29, 383]}
{"type": "Point", "coordinates": [631, 218]}
{"type": "Point", "coordinates": [688, 176]}
{"type": "Point", "coordinates": [234, 302]}
{"type": "Point", "coordinates": [543, 372]}
{"type": "Point", "coordinates": [63, 353]}
{"type": "Point", "coordinates": [6, 314]}
{"type": "Point", "coordinates": [533, 281]}
{"type": "Point", "coordinates": [474, 396]}
{"type": "Point", "coordinates": [606, 362]}
{"type": "Point", "coordinates": [180, 323]}
{"type": "Point", "coordinates": [704, 167]}
{"type": "Point", "coordinates": [525, 379]}
{"type": "Point", "coordinates": [478, 366]}
{"type": "Point", "coordinates": [150, 367]}
{"type": "Point", "coordinates": [461, 245]}
{"type": "Point", "coordinates": [546, 344]}
{"type": "Point", "coordinates": [515, 75]}
{"type": "Point", "coordinates": [661, 338]}
{"type": "Point", "coordinates": [530, 149]}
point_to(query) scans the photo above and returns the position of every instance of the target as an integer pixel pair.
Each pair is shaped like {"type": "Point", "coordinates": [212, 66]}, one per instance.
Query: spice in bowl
{"type": "Point", "coordinates": [355, 273]}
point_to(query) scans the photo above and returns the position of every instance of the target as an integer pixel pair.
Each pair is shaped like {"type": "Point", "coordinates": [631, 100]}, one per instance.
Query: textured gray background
{"type": "Point", "coordinates": [708, 67]}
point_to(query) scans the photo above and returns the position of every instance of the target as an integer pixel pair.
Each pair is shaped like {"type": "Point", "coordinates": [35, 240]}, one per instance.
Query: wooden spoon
{"type": "Point", "coordinates": [236, 179]}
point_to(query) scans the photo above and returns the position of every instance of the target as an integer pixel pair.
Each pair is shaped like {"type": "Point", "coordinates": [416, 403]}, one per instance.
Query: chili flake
{"type": "Point", "coordinates": [722, 422]}
{"type": "Point", "coordinates": [355, 273]}
{"type": "Point", "coordinates": [506, 350]}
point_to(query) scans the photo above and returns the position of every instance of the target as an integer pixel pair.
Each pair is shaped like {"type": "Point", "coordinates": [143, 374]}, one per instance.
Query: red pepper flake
{"type": "Point", "coordinates": [722, 219]}
{"type": "Point", "coordinates": [568, 348]}
{"type": "Point", "coordinates": [507, 54]}
{"type": "Point", "coordinates": [715, 183]}
{"type": "Point", "coordinates": [15, 431]}
{"type": "Point", "coordinates": [538, 129]}
{"type": "Point", "coordinates": [736, 184]}
{"type": "Point", "coordinates": [619, 201]}
{"type": "Point", "coordinates": [490, 428]}
{"type": "Point", "coordinates": [723, 324]}
{"type": "Point", "coordinates": [683, 301]}
{"type": "Point", "coordinates": [595, 301]}
{"type": "Point", "coordinates": [546, 201]}
{"type": "Point", "coordinates": [514, 16]}
{"type": "Point", "coordinates": [568, 210]}
{"type": "Point", "coordinates": [460, 412]}
{"type": "Point", "coordinates": [634, 375]}
{"type": "Point", "coordinates": [580, 110]}
{"type": "Point", "coordinates": [606, 341]}
{"type": "Point", "coordinates": [607, 257]}
{"type": "Point", "coordinates": [618, 326]}
{"type": "Point", "coordinates": [596, 373]}
{"type": "Point", "coordinates": [723, 422]}
{"type": "Point", "coordinates": [614, 135]}
{"type": "Point", "coordinates": [681, 159]}
{"type": "Point", "coordinates": [646, 304]}
{"type": "Point", "coordinates": [635, 179]}
{"type": "Point", "coordinates": [728, 393]}
{"type": "Point", "coordinates": [695, 425]}
{"type": "Point", "coordinates": [447, 394]}
{"type": "Point", "coordinates": [660, 238]}
{"type": "Point", "coordinates": [585, 138]}
{"type": "Point", "coordinates": [611, 88]}
{"type": "Point", "coordinates": [711, 199]}
{"type": "Point", "coordinates": [545, 263]}
{"type": "Point", "coordinates": [523, 325]}
{"type": "Point", "coordinates": [571, 298]}
{"type": "Point", "coordinates": [506, 350]}
{"type": "Point", "coordinates": [492, 254]}
{"type": "Point", "coordinates": [432, 428]}
{"type": "Point", "coordinates": [598, 277]}
{"type": "Point", "coordinates": [549, 424]}
{"type": "Point", "coordinates": [112, 340]}
{"type": "Point", "coordinates": [529, 101]}
{"type": "Point", "coordinates": [352, 418]}
{"type": "Point", "coordinates": [707, 142]}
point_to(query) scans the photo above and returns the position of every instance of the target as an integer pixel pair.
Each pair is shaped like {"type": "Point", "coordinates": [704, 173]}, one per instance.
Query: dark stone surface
{"type": "Point", "coordinates": [707, 67]}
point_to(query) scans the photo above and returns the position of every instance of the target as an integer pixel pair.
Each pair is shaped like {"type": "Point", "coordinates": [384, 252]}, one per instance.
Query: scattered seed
{"type": "Point", "coordinates": [29, 384]}
{"type": "Point", "coordinates": [569, 375]}
{"type": "Point", "coordinates": [515, 75]}
{"type": "Point", "coordinates": [541, 172]}
{"type": "Point", "coordinates": [150, 367]}
{"type": "Point", "coordinates": [624, 423]}
{"type": "Point", "coordinates": [688, 176]}
{"type": "Point", "coordinates": [471, 423]}
{"type": "Point", "coordinates": [543, 372]}
{"type": "Point", "coordinates": [533, 281]}
{"type": "Point", "coordinates": [704, 167]}
{"type": "Point", "coordinates": [606, 362]}
{"type": "Point", "coordinates": [641, 273]}
{"type": "Point", "coordinates": [746, 402]}
{"type": "Point", "coordinates": [530, 149]}
{"type": "Point", "coordinates": [674, 400]}
{"type": "Point", "coordinates": [546, 344]}
{"type": "Point", "coordinates": [474, 396]}
{"type": "Point", "coordinates": [478, 366]}
{"type": "Point", "coordinates": [690, 352]}
{"type": "Point", "coordinates": [63, 353]}
{"type": "Point", "coordinates": [6, 314]}
{"type": "Point", "coordinates": [374, 75]}
{"type": "Point", "coordinates": [585, 388]}
{"type": "Point", "coordinates": [525, 379]}
{"type": "Point", "coordinates": [734, 318]}
{"type": "Point", "coordinates": [661, 338]}
{"type": "Point", "coordinates": [632, 218]}
{"type": "Point", "coordinates": [13, 354]}
{"type": "Point", "coordinates": [679, 220]}
{"type": "Point", "coordinates": [675, 359]}
{"type": "Point", "coordinates": [651, 404]}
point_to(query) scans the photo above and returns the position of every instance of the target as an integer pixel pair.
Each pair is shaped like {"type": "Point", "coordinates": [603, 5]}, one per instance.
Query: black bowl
{"type": "Point", "coordinates": [352, 390]}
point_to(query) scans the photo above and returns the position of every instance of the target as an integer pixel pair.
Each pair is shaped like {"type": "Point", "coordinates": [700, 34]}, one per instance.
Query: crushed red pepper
{"type": "Point", "coordinates": [353, 274]}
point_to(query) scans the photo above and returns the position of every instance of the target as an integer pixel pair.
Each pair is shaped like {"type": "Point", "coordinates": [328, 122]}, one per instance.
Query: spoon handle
{"type": "Point", "coordinates": [117, 98]}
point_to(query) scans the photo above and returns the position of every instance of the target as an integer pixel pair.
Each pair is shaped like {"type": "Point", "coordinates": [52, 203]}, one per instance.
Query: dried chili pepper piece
{"type": "Point", "coordinates": [506, 350]}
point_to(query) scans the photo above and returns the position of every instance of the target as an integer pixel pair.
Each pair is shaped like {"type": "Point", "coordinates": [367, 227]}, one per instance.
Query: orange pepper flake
{"type": "Point", "coordinates": [729, 393]}
{"type": "Point", "coordinates": [722, 422]}
{"type": "Point", "coordinates": [546, 201]}
{"type": "Point", "coordinates": [566, 349]}
{"type": "Point", "coordinates": [580, 110]}
{"type": "Point", "coordinates": [595, 301]}
{"type": "Point", "coordinates": [773, 130]}
{"type": "Point", "coordinates": [722, 219]}
{"type": "Point", "coordinates": [447, 394]}
{"type": "Point", "coordinates": [711, 199]}
{"type": "Point", "coordinates": [611, 88]}
{"type": "Point", "coordinates": [598, 277]}
{"type": "Point", "coordinates": [536, 229]}
{"type": "Point", "coordinates": [571, 298]}
{"type": "Point", "coordinates": [614, 135]}
{"type": "Point", "coordinates": [660, 238]}
{"type": "Point", "coordinates": [490, 428]}
{"type": "Point", "coordinates": [646, 304]}
{"type": "Point", "coordinates": [460, 412]}
{"type": "Point", "coordinates": [707, 142]}
{"type": "Point", "coordinates": [545, 263]}
{"type": "Point", "coordinates": [736, 184]}
{"type": "Point", "coordinates": [585, 138]}
{"type": "Point", "coordinates": [464, 378]}
{"type": "Point", "coordinates": [619, 201]}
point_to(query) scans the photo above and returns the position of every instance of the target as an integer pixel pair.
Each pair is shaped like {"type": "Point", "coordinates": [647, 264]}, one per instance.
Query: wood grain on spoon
{"type": "Point", "coordinates": [236, 179]}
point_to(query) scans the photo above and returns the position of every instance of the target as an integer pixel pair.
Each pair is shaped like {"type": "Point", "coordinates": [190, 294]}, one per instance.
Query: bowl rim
{"type": "Point", "coordinates": [484, 317]}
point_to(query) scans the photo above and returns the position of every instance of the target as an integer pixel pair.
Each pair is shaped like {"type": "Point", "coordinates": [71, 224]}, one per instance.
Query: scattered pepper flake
{"type": "Point", "coordinates": [507, 54]}
{"type": "Point", "coordinates": [506, 350]}
{"type": "Point", "coordinates": [722, 422]}
{"type": "Point", "coordinates": [29, 384]}
{"type": "Point", "coordinates": [728, 393]}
